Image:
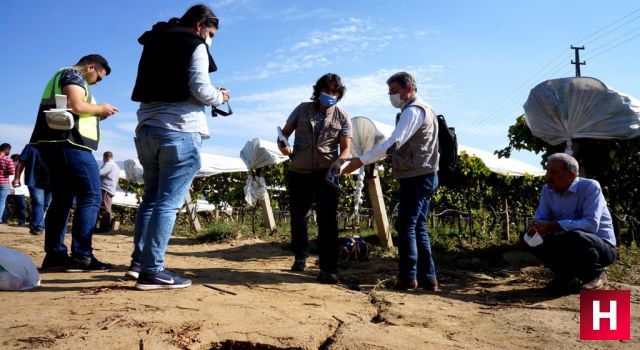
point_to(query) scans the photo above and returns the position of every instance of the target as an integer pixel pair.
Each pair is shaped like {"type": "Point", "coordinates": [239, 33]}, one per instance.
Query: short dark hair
{"type": "Point", "coordinates": [197, 13]}
{"type": "Point", "coordinates": [95, 59]}
{"type": "Point", "coordinates": [5, 146]}
{"type": "Point", "coordinates": [108, 154]}
{"type": "Point", "coordinates": [15, 156]}
{"type": "Point", "coordinates": [324, 82]}
{"type": "Point", "coordinates": [404, 79]}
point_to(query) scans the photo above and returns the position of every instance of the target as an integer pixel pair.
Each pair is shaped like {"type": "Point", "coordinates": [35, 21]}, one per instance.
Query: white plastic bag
{"type": "Point", "coordinates": [17, 271]}
{"type": "Point", "coordinates": [254, 190]}
{"type": "Point", "coordinates": [560, 110]}
{"type": "Point", "coordinates": [133, 171]}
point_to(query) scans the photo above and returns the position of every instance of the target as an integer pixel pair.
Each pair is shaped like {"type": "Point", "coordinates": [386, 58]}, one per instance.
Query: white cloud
{"type": "Point", "coordinates": [17, 135]}
{"type": "Point", "coordinates": [257, 115]}
{"type": "Point", "coordinates": [346, 39]}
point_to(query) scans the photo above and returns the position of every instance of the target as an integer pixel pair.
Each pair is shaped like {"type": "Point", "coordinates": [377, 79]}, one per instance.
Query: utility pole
{"type": "Point", "coordinates": [577, 61]}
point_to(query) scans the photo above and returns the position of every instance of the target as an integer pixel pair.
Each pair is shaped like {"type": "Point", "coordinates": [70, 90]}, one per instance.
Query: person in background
{"type": "Point", "coordinates": [73, 171]}
{"type": "Point", "coordinates": [173, 87]}
{"type": "Point", "coordinates": [109, 174]}
{"type": "Point", "coordinates": [413, 148]}
{"type": "Point", "coordinates": [576, 227]}
{"type": "Point", "coordinates": [36, 177]}
{"type": "Point", "coordinates": [322, 143]}
{"type": "Point", "coordinates": [16, 196]}
{"type": "Point", "coordinates": [6, 169]}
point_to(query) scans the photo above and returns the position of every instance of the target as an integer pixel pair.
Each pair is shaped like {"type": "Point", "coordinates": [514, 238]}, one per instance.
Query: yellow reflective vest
{"type": "Point", "coordinates": [86, 131]}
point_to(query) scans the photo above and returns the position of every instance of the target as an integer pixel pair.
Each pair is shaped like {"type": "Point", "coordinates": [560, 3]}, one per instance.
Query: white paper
{"type": "Point", "coordinates": [282, 138]}
{"type": "Point", "coordinates": [533, 241]}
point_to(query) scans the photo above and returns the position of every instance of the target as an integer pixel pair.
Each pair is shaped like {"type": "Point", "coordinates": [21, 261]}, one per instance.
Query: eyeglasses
{"type": "Point", "coordinates": [99, 78]}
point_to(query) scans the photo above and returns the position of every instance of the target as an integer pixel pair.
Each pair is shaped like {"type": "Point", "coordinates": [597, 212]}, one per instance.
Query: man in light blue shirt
{"type": "Point", "coordinates": [576, 227]}
{"type": "Point", "coordinates": [109, 174]}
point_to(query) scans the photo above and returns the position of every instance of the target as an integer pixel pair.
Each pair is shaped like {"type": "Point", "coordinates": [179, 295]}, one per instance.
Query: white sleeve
{"type": "Point", "coordinates": [410, 121]}
{"type": "Point", "coordinates": [199, 80]}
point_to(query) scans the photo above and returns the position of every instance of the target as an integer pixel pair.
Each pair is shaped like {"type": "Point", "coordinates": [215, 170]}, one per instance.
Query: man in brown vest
{"type": "Point", "coordinates": [322, 143]}
{"type": "Point", "coordinates": [413, 148]}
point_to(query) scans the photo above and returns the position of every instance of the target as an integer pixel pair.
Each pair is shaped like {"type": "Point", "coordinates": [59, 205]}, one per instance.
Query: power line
{"type": "Point", "coordinates": [494, 114]}
{"type": "Point", "coordinates": [624, 42]}
{"type": "Point", "coordinates": [611, 31]}
{"type": "Point", "coordinates": [497, 107]}
{"type": "Point", "coordinates": [608, 43]}
{"type": "Point", "coordinates": [485, 121]}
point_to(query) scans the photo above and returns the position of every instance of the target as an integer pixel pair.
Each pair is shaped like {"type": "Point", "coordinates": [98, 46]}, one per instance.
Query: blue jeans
{"type": "Point", "coordinates": [170, 160]}
{"type": "Point", "coordinates": [40, 199]}
{"type": "Point", "coordinates": [4, 192]}
{"type": "Point", "coordinates": [414, 246]}
{"type": "Point", "coordinates": [19, 208]}
{"type": "Point", "coordinates": [73, 175]}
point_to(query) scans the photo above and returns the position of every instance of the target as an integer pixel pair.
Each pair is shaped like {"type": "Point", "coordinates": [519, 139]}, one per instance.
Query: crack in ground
{"type": "Point", "coordinates": [332, 338]}
{"type": "Point", "coordinates": [379, 304]}
{"type": "Point", "coordinates": [230, 344]}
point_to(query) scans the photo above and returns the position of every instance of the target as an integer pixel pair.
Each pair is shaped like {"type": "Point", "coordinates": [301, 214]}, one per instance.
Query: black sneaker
{"type": "Point", "coordinates": [133, 272]}
{"type": "Point", "coordinates": [161, 280]}
{"type": "Point", "coordinates": [560, 286]}
{"type": "Point", "coordinates": [36, 232]}
{"type": "Point", "coordinates": [327, 277]}
{"type": "Point", "coordinates": [87, 264]}
{"type": "Point", "coordinates": [53, 262]}
{"type": "Point", "coordinates": [299, 264]}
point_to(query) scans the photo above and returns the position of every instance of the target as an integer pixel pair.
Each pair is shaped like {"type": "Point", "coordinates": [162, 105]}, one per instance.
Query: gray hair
{"type": "Point", "coordinates": [404, 79]}
{"type": "Point", "coordinates": [570, 163]}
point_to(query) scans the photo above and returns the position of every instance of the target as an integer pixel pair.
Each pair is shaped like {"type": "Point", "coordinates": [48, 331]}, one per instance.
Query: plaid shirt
{"type": "Point", "coordinates": [6, 169]}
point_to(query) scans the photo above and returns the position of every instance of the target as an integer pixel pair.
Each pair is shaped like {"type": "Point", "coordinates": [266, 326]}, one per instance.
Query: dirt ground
{"type": "Point", "coordinates": [245, 297]}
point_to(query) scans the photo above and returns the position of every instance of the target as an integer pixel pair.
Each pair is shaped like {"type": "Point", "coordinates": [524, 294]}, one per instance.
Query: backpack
{"type": "Point", "coordinates": [448, 147]}
{"type": "Point", "coordinates": [354, 248]}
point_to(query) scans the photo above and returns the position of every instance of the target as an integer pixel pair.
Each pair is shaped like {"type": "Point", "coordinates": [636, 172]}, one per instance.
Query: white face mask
{"type": "Point", "coordinates": [206, 37]}
{"type": "Point", "coordinates": [396, 101]}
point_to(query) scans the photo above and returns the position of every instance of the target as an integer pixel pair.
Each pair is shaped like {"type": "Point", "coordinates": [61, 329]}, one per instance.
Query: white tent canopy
{"type": "Point", "coordinates": [212, 164]}
{"type": "Point", "coordinates": [368, 133]}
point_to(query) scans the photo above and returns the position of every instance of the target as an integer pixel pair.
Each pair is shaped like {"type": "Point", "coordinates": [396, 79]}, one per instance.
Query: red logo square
{"type": "Point", "coordinates": [605, 315]}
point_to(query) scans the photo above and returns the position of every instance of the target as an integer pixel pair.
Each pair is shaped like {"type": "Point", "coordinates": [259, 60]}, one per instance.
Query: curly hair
{"type": "Point", "coordinates": [325, 82]}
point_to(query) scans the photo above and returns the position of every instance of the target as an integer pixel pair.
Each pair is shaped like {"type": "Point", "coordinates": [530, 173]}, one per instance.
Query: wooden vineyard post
{"type": "Point", "coordinates": [379, 209]}
{"type": "Point", "coordinates": [505, 224]}
{"type": "Point", "coordinates": [267, 213]}
{"type": "Point", "coordinates": [191, 211]}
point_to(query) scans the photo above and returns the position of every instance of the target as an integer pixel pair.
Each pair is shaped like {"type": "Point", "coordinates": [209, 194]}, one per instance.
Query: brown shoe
{"type": "Point", "coordinates": [597, 282]}
{"type": "Point", "coordinates": [430, 284]}
{"type": "Point", "coordinates": [402, 284]}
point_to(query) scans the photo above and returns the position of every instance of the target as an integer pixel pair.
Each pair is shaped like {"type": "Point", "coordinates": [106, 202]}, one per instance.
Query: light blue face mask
{"type": "Point", "coordinates": [328, 100]}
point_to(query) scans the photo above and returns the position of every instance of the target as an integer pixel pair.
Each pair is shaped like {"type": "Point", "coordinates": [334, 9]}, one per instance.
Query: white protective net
{"type": "Point", "coordinates": [560, 110]}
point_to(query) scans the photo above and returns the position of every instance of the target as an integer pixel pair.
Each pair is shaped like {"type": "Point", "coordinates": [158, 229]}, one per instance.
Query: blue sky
{"type": "Point", "coordinates": [475, 61]}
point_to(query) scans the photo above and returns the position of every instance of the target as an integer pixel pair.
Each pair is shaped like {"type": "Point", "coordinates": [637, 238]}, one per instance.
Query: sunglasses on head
{"type": "Point", "coordinates": [211, 22]}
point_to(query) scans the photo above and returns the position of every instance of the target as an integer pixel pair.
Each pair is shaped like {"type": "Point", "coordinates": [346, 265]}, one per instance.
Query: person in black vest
{"type": "Point", "coordinates": [173, 87]}
{"type": "Point", "coordinates": [413, 148]}
{"type": "Point", "coordinates": [73, 171]}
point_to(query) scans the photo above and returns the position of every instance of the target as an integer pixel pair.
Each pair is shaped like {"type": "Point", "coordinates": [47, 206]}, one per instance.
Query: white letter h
{"type": "Point", "coordinates": [611, 315]}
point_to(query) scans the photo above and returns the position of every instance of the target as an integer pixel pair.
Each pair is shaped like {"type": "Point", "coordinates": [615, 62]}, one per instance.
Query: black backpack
{"type": "Point", "coordinates": [448, 147]}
